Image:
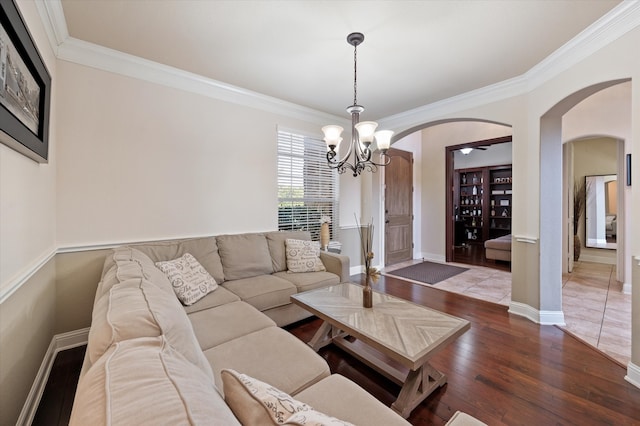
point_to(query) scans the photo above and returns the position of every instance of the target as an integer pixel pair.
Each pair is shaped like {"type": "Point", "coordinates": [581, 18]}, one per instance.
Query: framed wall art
{"type": "Point", "coordinates": [25, 88]}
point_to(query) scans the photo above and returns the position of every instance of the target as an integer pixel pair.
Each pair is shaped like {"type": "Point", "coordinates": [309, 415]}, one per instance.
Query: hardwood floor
{"type": "Point", "coordinates": [57, 399]}
{"type": "Point", "coordinates": [474, 254]}
{"type": "Point", "coordinates": [505, 370]}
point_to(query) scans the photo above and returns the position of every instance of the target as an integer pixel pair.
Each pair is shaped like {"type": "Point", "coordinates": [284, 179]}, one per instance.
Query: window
{"type": "Point", "coordinates": [307, 187]}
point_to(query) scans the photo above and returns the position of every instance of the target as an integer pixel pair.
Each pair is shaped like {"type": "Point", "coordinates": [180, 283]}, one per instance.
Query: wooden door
{"type": "Point", "coordinates": [398, 197]}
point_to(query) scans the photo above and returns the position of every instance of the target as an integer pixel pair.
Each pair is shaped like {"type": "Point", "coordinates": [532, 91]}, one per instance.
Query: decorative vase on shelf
{"type": "Point", "coordinates": [324, 236]}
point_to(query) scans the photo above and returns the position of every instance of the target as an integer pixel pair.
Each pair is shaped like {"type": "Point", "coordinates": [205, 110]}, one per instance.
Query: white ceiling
{"type": "Point", "coordinates": [414, 53]}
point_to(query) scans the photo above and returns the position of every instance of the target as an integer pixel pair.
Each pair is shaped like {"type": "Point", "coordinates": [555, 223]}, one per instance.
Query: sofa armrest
{"type": "Point", "coordinates": [339, 264]}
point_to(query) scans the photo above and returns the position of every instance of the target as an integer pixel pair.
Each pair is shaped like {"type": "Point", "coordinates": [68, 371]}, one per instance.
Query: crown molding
{"type": "Point", "coordinates": [617, 22]}
{"type": "Point", "coordinates": [496, 92]}
{"type": "Point", "coordinates": [610, 27]}
{"type": "Point", "coordinates": [92, 55]}
{"type": "Point", "coordinates": [54, 22]}
{"type": "Point", "coordinates": [103, 58]}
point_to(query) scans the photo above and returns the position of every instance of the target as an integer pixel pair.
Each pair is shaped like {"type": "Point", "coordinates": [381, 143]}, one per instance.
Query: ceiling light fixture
{"type": "Point", "coordinates": [466, 151]}
{"type": "Point", "coordinates": [362, 133]}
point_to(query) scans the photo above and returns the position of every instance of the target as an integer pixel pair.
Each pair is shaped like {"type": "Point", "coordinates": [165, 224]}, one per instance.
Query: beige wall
{"type": "Point", "coordinates": [27, 188]}
{"type": "Point", "coordinates": [142, 161]}
{"type": "Point", "coordinates": [27, 322]}
{"type": "Point", "coordinates": [27, 244]}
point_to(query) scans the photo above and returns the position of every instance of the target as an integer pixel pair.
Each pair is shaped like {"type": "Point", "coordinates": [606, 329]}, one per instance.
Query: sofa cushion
{"type": "Point", "coordinates": [277, 248]}
{"type": "Point", "coordinates": [500, 243]}
{"type": "Point", "coordinates": [305, 281]}
{"type": "Point", "coordinates": [137, 308]}
{"type": "Point", "coordinates": [190, 281]}
{"type": "Point", "coordinates": [125, 263]}
{"type": "Point", "coordinates": [205, 250]}
{"type": "Point", "coordinates": [303, 256]}
{"type": "Point", "coordinates": [146, 381]}
{"type": "Point", "coordinates": [337, 396]}
{"type": "Point", "coordinates": [219, 297]}
{"type": "Point", "coordinates": [244, 255]}
{"type": "Point", "coordinates": [263, 292]}
{"type": "Point", "coordinates": [271, 355]}
{"type": "Point", "coordinates": [227, 322]}
{"type": "Point", "coordinates": [257, 403]}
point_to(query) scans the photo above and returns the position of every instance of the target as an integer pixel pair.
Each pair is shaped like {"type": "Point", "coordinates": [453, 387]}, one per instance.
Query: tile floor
{"type": "Point", "coordinates": [595, 309]}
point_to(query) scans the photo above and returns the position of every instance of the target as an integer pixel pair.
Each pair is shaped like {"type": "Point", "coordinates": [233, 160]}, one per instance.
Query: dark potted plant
{"type": "Point", "coordinates": [579, 200]}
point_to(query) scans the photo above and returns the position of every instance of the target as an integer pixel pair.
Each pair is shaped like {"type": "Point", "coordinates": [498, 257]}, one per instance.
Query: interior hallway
{"type": "Point", "coordinates": [595, 309]}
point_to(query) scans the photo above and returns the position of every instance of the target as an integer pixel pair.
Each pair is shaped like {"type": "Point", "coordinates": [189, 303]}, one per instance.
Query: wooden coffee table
{"type": "Point", "coordinates": [394, 329]}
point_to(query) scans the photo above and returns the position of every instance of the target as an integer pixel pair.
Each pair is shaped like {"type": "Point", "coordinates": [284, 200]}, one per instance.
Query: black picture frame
{"type": "Point", "coordinates": [628, 169]}
{"type": "Point", "coordinates": [32, 142]}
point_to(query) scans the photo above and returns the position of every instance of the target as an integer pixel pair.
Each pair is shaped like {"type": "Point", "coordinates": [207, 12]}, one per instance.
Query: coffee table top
{"type": "Point", "coordinates": [407, 332]}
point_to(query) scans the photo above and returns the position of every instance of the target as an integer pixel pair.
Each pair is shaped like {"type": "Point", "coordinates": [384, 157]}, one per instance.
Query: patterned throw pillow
{"type": "Point", "coordinates": [303, 256]}
{"type": "Point", "coordinates": [257, 403]}
{"type": "Point", "coordinates": [190, 281]}
{"type": "Point", "coordinates": [314, 418]}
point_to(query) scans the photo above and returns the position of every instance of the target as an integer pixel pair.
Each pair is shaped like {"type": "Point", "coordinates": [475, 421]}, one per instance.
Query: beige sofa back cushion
{"type": "Point", "coordinates": [125, 263]}
{"type": "Point", "coordinates": [144, 381]}
{"type": "Point", "coordinates": [205, 250]}
{"type": "Point", "coordinates": [244, 255]}
{"type": "Point", "coordinates": [276, 241]}
{"type": "Point", "coordinates": [137, 308]}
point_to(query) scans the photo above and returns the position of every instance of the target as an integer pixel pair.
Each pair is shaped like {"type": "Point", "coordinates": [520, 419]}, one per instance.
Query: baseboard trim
{"type": "Point", "coordinates": [432, 257]}
{"type": "Point", "coordinates": [539, 317]}
{"type": "Point", "coordinates": [59, 342]}
{"type": "Point", "coordinates": [633, 374]}
{"type": "Point", "coordinates": [587, 257]}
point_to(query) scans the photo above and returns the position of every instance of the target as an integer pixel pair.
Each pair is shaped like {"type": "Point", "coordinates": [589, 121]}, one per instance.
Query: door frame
{"type": "Point", "coordinates": [450, 187]}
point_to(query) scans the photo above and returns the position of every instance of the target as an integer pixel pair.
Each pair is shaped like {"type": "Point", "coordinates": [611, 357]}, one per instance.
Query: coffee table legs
{"type": "Point", "coordinates": [325, 335]}
{"type": "Point", "coordinates": [418, 385]}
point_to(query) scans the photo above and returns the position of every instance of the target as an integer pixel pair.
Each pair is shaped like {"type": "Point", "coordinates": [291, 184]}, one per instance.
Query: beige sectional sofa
{"type": "Point", "coordinates": [151, 360]}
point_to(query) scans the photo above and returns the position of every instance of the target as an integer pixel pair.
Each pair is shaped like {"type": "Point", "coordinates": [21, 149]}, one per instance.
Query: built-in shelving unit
{"type": "Point", "coordinates": [482, 203]}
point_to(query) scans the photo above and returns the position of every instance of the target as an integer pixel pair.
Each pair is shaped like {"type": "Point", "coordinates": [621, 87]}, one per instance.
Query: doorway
{"type": "Point", "coordinates": [398, 208]}
{"type": "Point", "coordinates": [478, 201]}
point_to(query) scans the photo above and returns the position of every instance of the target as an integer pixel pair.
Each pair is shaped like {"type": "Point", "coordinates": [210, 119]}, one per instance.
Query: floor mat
{"type": "Point", "coordinates": [428, 272]}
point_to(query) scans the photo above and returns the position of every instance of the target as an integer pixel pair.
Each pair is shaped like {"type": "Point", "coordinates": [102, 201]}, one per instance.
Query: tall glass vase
{"type": "Point", "coordinates": [324, 236]}
{"type": "Point", "coordinates": [367, 293]}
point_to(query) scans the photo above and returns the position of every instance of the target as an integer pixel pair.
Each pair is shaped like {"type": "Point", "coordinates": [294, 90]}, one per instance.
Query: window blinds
{"type": "Point", "coordinates": [307, 187]}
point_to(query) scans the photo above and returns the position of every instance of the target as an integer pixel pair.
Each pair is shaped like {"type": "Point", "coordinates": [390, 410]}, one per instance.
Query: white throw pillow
{"type": "Point", "coordinates": [303, 256]}
{"type": "Point", "coordinates": [190, 281]}
{"type": "Point", "coordinates": [257, 403]}
{"type": "Point", "coordinates": [314, 418]}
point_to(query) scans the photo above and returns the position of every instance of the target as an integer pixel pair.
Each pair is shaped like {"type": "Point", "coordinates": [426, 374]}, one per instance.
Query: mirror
{"type": "Point", "coordinates": [601, 211]}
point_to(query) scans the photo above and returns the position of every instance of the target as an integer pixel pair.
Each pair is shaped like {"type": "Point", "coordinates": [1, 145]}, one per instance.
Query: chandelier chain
{"type": "Point", "coordinates": [355, 74]}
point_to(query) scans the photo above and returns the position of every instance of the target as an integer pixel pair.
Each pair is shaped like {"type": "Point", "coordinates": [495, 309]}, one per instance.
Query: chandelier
{"type": "Point", "coordinates": [362, 133]}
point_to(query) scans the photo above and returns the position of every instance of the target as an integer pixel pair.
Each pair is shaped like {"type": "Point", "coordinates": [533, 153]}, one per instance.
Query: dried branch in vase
{"type": "Point", "coordinates": [366, 241]}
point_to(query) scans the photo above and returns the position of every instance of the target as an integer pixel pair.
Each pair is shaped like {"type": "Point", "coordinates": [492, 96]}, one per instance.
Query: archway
{"type": "Point", "coordinates": [551, 196]}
